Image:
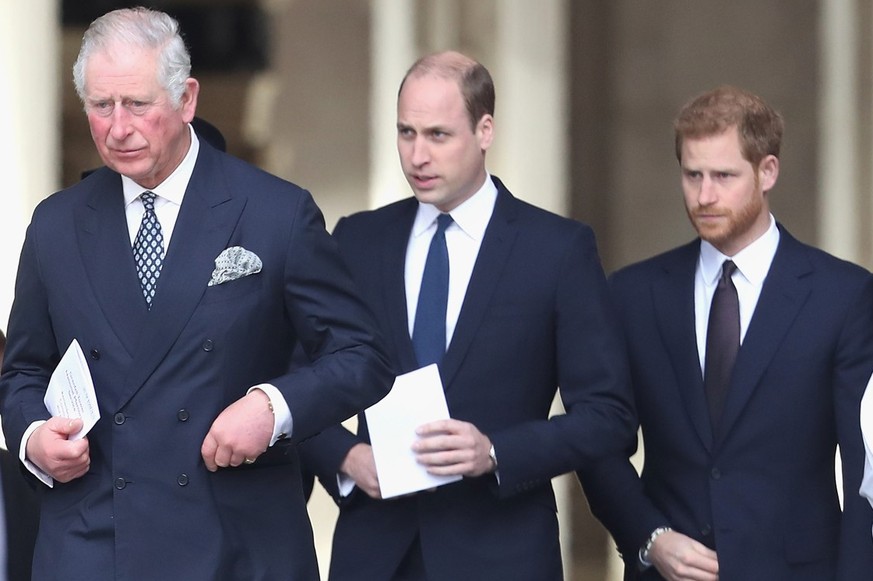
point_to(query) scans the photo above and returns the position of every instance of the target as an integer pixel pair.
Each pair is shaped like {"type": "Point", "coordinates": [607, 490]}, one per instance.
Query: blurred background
{"type": "Point", "coordinates": [586, 94]}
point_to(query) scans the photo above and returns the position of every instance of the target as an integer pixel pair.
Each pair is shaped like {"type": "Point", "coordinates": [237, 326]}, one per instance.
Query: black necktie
{"type": "Point", "coordinates": [429, 329]}
{"type": "Point", "coordinates": [722, 342]}
{"type": "Point", "coordinates": [148, 249]}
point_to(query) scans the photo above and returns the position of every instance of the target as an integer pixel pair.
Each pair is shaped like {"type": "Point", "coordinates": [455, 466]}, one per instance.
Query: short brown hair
{"type": "Point", "coordinates": [712, 113]}
{"type": "Point", "coordinates": [474, 80]}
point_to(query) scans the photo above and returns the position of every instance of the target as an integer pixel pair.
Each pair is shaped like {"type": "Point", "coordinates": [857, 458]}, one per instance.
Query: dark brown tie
{"type": "Point", "coordinates": [722, 343]}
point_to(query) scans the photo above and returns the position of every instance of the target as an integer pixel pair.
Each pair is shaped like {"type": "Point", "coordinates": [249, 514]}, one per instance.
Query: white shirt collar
{"type": "Point", "coordinates": [472, 216]}
{"type": "Point", "coordinates": [173, 188]}
{"type": "Point", "coordinates": [753, 261]}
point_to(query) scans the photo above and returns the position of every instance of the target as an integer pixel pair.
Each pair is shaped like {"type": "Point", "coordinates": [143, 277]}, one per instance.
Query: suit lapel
{"type": "Point", "coordinates": [785, 290]}
{"type": "Point", "coordinates": [108, 259]}
{"type": "Point", "coordinates": [673, 296]}
{"type": "Point", "coordinates": [493, 255]}
{"type": "Point", "coordinates": [395, 243]}
{"type": "Point", "coordinates": [207, 219]}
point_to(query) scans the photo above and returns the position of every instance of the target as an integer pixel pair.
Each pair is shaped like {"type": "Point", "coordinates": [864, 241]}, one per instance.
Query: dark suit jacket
{"type": "Point", "coordinates": [22, 518]}
{"type": "Point", "coordinates": [148, 508]}
{"type": "Point", "coordinates": [763, 493]}
{"type": "Point", "coordinates": [535, 316]}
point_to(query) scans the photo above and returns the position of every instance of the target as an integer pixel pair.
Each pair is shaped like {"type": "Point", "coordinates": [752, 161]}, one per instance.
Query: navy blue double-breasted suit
{"type": "Point", "coordinates": [762, 491]}
{"type": "Point", "coordinates": [535, 316]}
{"type": "Point", "coordinates": [148, 508]}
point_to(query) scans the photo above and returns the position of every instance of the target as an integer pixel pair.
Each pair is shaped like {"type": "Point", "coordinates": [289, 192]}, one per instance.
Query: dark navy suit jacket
{"type": "Point", "coordinates": [21, 507]}
{"type": "Point", "coordinates": [148, 508]}
{"type": "Point", "coordinates": [535, 316]}
{"type": "Point", "coordinates": [762, 492]}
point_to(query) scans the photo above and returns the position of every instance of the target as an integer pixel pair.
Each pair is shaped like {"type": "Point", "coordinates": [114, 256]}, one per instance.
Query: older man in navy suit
{"type": "Point", "coordinates": [524, 311]}
{"type": "Point", "coordinates": [187, 277]}
{"type": "Point", "coordinates": [749, 354]}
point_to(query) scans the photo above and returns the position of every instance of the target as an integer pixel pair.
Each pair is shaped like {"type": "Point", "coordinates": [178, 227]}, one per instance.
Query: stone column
{"type": "Point", "coordinates": [532, 111]}
{"type": "Point", "coordinates": [393, 50]}
{"type": "Point", "coordinates": [839, 195]}
{"type": "Point", "coordinates": [29, 112]}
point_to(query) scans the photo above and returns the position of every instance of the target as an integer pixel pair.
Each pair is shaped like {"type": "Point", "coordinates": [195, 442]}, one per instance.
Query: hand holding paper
{"type": "Point", "coordinates": [53, 456]}
{"type": "Point", "coordinates": [453, 447]}
{"type": "Point", "coordinates": [70, 392]}
{"type": "Point", "coordinates": [416, 399]}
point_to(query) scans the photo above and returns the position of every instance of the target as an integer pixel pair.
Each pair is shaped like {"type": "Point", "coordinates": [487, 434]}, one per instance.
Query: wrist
{"type": "Point", "coordinates": [645, 551]}
{"type": "Point", "coordinates": [352, 456]}
{"type": "Point", "coordinates": [258, 392]}
{"type": "Point", "coordinates": [274, 410]}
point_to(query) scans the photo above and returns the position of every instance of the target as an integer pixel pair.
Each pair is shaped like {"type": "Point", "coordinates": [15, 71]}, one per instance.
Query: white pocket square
{"type": "Point", "coordinates": [233, 263]}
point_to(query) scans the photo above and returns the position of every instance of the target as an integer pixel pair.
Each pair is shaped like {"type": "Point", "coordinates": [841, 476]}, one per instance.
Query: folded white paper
{"type": "Point", "coordinates": [415, 399]}
{"type": "Point", "coordinates": [70, 392]}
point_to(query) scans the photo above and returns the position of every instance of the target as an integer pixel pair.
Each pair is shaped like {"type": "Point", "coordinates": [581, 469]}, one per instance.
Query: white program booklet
{"type": "Point", "coordinates": [416, 398]}
{"type": "Point", "coordinates": [70, 392]}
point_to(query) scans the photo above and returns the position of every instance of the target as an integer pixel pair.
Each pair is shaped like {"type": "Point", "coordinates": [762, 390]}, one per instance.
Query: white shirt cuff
{"type": "Point", "coordinates": [31, 467]}
{"type": "Point", "coordinates": [345, 485]}
{"type": "Point", "coordinates": [283, 423]}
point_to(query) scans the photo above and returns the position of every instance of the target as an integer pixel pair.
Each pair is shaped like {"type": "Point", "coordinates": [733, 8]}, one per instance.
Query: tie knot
{"type": "Point", "coordinates": [443, 222]}
{"type": "Point", "coordinates": [727, 269]}
{"type": "Point", "coordinates": [148, 200]}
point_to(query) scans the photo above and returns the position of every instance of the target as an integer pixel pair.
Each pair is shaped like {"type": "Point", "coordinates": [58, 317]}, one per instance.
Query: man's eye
{"type": "Point", "coordinates": [102, 107]}
{"type": "Point", "coordinates": [137, 107]}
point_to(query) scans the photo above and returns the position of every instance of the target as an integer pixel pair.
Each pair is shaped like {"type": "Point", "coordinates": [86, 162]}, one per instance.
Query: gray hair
{"type": "Point", "coordinates": [142, 28]}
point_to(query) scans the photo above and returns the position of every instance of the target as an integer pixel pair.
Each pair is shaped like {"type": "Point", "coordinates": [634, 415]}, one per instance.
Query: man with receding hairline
{"type": "Point", "coordinates": [525, 312]}
{"type": "Point", "coordinates": [749, 352]}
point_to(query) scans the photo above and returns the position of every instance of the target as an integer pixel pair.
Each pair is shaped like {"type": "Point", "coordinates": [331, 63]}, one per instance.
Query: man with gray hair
{"type": "Point", "coordinates": [187, 277]}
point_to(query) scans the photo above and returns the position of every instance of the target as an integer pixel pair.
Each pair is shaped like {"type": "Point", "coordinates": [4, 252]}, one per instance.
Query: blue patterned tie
{"type": "Point", "coordinates": [429, 330]}
{"type": "Point", "coordinates": [148, 249]}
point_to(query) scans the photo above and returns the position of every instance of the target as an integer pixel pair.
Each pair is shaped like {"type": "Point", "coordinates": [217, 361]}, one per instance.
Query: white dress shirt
{"type": "Point", "coordinates": [463, 240]}
{"type": "Point", "coordinates": [753, 263]}
{"type": "Point", "coordinates": [169, 195]}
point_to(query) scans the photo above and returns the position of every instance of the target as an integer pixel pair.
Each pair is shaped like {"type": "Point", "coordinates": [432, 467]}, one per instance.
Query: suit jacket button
{"type": "Point", "coordinates": [182, 480]}
{"type": "Point", "coordinates": [715, 473]}
{"type": "Point", "coordinates": [120, 483]}
{"type": "Point", "coordinates": [182, 415]}
{"type": "Point", "coordinates": [706, 530]}
{"type": "Point", "coordinates": [208, 345]}
{"type": "Point", "coordinates": [119, 418]}
{"type": "Point", "coordinates": [95, 353]}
